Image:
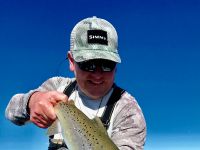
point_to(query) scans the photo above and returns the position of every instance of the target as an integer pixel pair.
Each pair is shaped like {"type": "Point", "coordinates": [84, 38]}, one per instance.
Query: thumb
{"type": "Point", "coordinates": [57, 97]}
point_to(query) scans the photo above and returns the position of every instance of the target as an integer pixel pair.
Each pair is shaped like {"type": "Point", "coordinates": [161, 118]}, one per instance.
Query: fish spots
{"type": "Point", "coordinates": [81, 131]}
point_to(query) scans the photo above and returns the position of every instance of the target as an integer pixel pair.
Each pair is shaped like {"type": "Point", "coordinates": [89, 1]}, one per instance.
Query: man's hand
{"type": "Point", "coordinates": [41, 107]}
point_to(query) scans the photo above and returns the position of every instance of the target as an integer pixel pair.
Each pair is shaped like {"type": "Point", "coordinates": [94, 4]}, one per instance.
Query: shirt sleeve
{"type": "Point", "coordinates": [128, 124]}
{"type": "Point", "coordinates": [16, 110]}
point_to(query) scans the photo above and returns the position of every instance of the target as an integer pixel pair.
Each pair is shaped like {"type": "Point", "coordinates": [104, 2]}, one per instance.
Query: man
{"type": "Point", "coordinates": [93, 57]}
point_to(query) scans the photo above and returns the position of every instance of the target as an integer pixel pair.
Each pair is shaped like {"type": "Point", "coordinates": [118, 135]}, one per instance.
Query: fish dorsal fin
{"type": "Point", "coordinates": [99, 125]}
{"type": "Point", "coordinates": [54, 128]}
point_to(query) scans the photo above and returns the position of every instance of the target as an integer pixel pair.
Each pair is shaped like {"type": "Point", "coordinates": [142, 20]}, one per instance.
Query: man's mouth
{"type": "Point", "coordinates": [95, 82]}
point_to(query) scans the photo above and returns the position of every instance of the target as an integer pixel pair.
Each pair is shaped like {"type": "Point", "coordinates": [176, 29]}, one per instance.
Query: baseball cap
{"type": "Point", "coordinates": [94, 38]}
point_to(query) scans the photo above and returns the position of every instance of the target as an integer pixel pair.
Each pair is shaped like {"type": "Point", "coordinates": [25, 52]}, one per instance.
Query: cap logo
{"type": "Point", "coordinates": [97, 37]}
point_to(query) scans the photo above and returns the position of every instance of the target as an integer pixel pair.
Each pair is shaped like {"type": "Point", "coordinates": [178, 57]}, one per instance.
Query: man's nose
{"type": "Point", "coordinates": [98, 72]}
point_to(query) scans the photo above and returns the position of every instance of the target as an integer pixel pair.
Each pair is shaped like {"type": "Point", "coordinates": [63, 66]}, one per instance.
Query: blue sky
{"type": "Point", "coordinates": [160, 50]}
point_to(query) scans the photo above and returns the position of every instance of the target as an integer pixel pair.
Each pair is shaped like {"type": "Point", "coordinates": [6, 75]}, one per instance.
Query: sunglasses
{"type": "Point", "coordinates": [91, 65]}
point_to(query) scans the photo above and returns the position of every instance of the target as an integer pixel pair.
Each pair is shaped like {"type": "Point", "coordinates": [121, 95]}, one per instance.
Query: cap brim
{"type": "Point", "coordinates": [84, 55]}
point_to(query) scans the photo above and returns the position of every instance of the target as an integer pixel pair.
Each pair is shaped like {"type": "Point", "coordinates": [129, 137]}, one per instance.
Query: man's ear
{"type": "Point", "coordinates": [71, 61]}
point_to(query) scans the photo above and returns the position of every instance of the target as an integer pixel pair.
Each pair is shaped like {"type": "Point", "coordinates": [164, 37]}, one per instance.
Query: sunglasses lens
{"type": "Point", "coordinates": [87, 66]}
{"type": "Point", "coordinates": [108, 66]}
{"type": "Point", "coordinates": [90, 66]}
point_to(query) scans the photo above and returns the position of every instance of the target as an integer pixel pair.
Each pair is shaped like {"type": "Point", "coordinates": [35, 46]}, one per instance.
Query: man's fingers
{"type": "Point", "coordinates": [41, 124]}
{"type": "Point", "coordinates": [49, 113]}
{"type": "Point", "coordinates": [41, 120]}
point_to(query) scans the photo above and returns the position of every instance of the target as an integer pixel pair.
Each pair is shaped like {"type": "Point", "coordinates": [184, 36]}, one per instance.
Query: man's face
{"type": "Point", "coordinates": [94, 84]}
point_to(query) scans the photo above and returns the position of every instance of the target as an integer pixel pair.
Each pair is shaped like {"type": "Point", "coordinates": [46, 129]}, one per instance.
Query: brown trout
{"type": "Point", "coordinates": [80, 132]}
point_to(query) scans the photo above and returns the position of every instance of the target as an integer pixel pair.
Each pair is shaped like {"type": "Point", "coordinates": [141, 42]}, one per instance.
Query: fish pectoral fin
{"type": "Point", "coordinates": [54, 128]}
{"type": "Point", "coordinates": [99, 125]}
